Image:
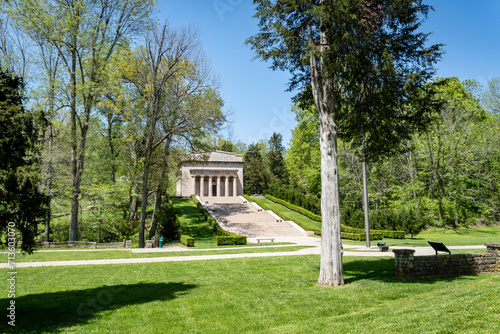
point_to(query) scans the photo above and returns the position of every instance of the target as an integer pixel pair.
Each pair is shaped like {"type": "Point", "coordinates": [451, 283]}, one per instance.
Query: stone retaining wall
{"type": "Point", "coordinates": [410, 266]}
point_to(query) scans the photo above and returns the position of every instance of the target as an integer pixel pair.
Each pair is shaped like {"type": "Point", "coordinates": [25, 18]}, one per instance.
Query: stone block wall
{"type": "Point", "coordinates": [410, 266]}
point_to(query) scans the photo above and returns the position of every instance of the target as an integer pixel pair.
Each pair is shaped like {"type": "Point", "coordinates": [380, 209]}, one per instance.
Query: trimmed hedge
{"type": "Point", "coordinates": [309, 202]}
{"type": "Point", "coordinates": [223, 237]}
{"type": "Point", "coordinates": [187, 240]}
{"type": "Point", "coordinates": [234, 239]}
{"type": "Point", "coordinates": [283, 216]}
{"type": "Point", "coordinates": [346, 231]}
{"type": "Point", "coordinates": [296, 208]}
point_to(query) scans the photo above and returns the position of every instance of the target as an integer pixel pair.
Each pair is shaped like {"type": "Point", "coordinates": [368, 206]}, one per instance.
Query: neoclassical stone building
{"type": "Point", "coordinates": [219, 176]}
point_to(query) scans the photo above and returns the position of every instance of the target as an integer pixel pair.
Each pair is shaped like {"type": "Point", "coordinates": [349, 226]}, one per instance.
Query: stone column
{"type": "Point", "coordinates": [194, 185]}
{"type": "Point", "coordinates": [202, 186]}
{"type": "Point", "coordinates": [210, 186]}
{"type": "Point", "coordinates": [235, 186]}
{"type": "Point", "coordinates": [226, 186]}
{"type": "Point", "coordinates": [217, 193]}
{"type": "Point", "coordinates": [405, 262]}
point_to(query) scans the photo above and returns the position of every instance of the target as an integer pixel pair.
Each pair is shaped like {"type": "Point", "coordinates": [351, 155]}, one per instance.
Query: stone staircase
{"type": "Point", "coordinates": [245, 219]}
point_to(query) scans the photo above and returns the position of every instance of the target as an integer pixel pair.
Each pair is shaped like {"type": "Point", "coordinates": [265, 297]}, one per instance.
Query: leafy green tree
{"type": "Point", "coordinates": [255, 171]}
{"type": "Point", "coordinates": [179, 98]}
{"type": "Point", "coordinates": [276, 160]}
{"type": "Point", "coordinates": [226, 145]}
{"type": "Point", "coordinates": [491, 97]}
{"type": "Point", "coordinates": [86, 34]}
{"type": "Point", "coordinates": [303, 157]}
{"type": "Point", "coordinates": [21, 200]}
{"type": "Point", "coordinates": [331, 47]}
{"type": "Point", "coordinates": [447, 146]}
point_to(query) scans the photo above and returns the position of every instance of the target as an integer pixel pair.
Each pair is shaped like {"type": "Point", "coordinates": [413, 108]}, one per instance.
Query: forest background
{"type": "Point", "coordinates": [114, 101]}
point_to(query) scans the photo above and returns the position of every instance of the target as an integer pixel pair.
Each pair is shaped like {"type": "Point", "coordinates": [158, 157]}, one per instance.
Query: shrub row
{"type": "Point", "coordinates": [360, 234]}
{"type": "Point", "coordinates": [348, 232]}
{"type": "Point", "coordinates": [187, 240]}
{"type": "Point", "coordinates": [309, 202]}
{"type": "Point", "coordinates": [296, 208]}
{"type": "Point", "coordinates": [397, 223]}
{"type": "Point", "coordinates": [283, 216]}
{"type": "Point", "coordinates": [223, 237]}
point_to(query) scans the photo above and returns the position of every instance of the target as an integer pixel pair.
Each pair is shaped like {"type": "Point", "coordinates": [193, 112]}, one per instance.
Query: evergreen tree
{"type": "Point", "coordinates": [254, 169]}
{"type": "Point", "coordinates": [275, 157]}
{"type": "Point", "coordinates": [21, 201]}
{"type": "Point", "coordinates": [334, 50]}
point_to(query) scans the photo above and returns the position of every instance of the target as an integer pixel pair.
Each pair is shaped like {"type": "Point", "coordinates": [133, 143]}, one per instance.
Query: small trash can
{"type": "Point", "coordinates": [161, 242]}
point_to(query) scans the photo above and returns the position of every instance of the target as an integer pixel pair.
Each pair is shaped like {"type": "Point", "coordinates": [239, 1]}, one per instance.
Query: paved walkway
{"type": "Point", "coordinates": [313, 242]}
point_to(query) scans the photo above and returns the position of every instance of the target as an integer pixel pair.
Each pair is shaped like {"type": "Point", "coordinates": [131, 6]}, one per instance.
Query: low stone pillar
{"type": "Point", "coordinates": [405, 262]}
{"type": "Point", "coordinates": [494, 248]}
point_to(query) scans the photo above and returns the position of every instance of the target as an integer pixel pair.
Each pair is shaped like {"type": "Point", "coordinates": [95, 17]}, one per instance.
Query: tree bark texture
{"type": "Point", "coordinates": [331, 243]}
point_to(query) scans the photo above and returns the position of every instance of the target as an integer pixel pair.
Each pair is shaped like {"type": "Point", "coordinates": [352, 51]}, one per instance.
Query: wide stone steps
{"type": "Point", "coordinates": [244, 219]}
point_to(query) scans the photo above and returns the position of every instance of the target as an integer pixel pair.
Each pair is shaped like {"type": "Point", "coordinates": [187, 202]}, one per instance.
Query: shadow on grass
{"type": "Point", "coordinates": [54, 311]}
{"type": "Point", "coordinates": [384, 270]}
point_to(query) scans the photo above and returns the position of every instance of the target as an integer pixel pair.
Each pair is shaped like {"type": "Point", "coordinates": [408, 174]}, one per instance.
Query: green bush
{"type": "Point", "coordinates": [166, 223]}
{"type": "Point", "coordinates": [296, 208]}
{"type": "Point", "coordinates": [234, 239]}
{"type": "Point", "coordinates": [187, 240]}
{"type": "Point", "coordinates": [309, 202]}
{"type": "Point", "coordinates": [349, 232]}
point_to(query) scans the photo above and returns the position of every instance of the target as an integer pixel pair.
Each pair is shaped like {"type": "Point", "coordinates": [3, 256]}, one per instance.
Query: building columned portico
{"type": "Point", "coordinates": [221, 175]}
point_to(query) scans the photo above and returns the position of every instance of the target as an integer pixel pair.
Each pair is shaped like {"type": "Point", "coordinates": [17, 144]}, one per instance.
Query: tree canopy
{"type": "Point", "coordinates": [336, 50]}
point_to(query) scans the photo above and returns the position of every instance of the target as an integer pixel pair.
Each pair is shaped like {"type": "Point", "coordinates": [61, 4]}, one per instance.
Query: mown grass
{"type": "Point", "coordinates": [291, 213]}
{"type": "Point", "coordinates": [193, 224]}
{"type": "Point", "coordinates": [451, 237]}
{"type": "Point", "coordinates": [38, 256]}
{"type": "Point", "coordinates": [251, 295]}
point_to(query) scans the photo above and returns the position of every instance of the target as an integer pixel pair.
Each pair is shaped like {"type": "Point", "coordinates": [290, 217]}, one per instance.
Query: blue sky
{"type": "Point", "coordinates": [256, 94]}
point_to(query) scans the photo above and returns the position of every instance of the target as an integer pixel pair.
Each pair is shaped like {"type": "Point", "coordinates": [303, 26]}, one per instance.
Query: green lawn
{"type": "Point", "coordinates": [127, 254]}
{"type": "Point", "coordinates": [450, 237]}
{"type": "Point", "coordinates": [291, 213]}
{"type": "Point", "coordinates": [193, 224]}
{"type": "Point", "coordinates": [251, 295]}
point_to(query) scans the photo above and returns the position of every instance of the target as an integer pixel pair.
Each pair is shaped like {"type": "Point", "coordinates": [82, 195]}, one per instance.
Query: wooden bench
{"type": "Point", "coordinates": [262, 239]}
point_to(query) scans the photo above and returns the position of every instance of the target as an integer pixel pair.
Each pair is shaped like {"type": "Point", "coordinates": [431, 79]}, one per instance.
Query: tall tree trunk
{"type": "Point", "coordinates": [49, 183]}
{"type": "Point", "coordinates": [365, 188]}
{"type": "Point", "coordinates": [134, 203]}
{"type": "Point", "coordinates": [145, 177]}
{"type": "Point", "coordinates": [331, 244]}
{"type": "Point", "coordinates": [111, 148]}
{"type": "Point", "coordinates": [160, 187]}
{"type": "Point", "coordinates": [75, 189]}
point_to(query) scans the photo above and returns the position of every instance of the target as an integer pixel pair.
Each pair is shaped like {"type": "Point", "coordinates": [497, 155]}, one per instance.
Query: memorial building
{"type": "Point", "coordinates": [221, 175]}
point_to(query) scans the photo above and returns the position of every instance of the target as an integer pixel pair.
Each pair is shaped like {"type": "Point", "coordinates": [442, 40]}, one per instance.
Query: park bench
{"type": "Point", "coordinates": [262, 239]}
{"type": "Point", "coordinates": [382, 247]}
{"type": "Point", "coordinates": [439, 247]}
